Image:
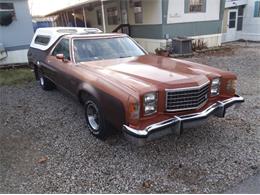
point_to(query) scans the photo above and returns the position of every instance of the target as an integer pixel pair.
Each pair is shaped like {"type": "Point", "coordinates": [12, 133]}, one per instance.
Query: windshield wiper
{"type": "Point", "coordinates": [125, 56]}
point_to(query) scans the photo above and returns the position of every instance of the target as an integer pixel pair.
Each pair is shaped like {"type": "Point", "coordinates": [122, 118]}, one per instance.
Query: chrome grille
{"type": "Point", "coordinates": [186, 98]}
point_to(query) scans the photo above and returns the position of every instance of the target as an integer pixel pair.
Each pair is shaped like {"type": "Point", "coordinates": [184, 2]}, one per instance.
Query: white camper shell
{"type": "Point", "coordinates": [44, 38]}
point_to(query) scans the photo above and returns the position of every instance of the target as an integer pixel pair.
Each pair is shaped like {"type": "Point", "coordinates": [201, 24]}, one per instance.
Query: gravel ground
{"type": "Point", "coordinates": [44, 147]}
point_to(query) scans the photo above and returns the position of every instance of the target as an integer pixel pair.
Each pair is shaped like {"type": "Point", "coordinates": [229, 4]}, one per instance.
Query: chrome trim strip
{"type": "Point", "coordinates": [219, 107]}
{"type": "Point", "coordinates": [188, 88]}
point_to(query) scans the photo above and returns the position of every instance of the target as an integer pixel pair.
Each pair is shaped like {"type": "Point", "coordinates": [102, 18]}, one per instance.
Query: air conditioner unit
{"type": "Point", "coordinates": [132, 2]}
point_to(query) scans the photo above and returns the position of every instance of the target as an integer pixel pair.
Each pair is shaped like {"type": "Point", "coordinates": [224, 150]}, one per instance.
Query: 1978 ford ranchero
{"type": "Point", "coordinates": [122, 86]}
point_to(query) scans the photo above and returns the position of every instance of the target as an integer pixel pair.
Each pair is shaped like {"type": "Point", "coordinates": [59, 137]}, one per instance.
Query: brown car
{"type": "Point", "coordinates": [122, 86]}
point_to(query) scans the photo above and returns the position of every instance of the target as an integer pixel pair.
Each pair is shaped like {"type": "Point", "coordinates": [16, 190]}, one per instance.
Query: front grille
{"type": "Point", "coordinates": [186, 98]}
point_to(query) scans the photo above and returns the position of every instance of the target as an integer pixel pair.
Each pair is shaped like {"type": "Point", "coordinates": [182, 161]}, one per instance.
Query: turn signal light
{"type": "Point", "coordinates": [133, 109]}
{"type": "Point", "coordinates": [231, 85]}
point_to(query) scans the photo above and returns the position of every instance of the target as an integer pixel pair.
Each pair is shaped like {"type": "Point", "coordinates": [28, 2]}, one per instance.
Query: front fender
{"type": "Point", "coordinates": [112, 106]}
{"type": "Point", "coordinates": [89, 89]}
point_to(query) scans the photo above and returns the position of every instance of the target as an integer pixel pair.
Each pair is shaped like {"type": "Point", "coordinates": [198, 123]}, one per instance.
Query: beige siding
{"type": "Point", "coordinates": [224, 23]}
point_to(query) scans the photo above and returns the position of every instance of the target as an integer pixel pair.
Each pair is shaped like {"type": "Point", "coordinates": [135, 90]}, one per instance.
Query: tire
{"type": "Point", "coordinates": [95, 119]}
{"type": "Point", "coordinates": [45, 83]}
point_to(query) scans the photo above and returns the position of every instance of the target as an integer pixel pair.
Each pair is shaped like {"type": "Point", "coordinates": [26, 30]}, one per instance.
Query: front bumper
{"type": "Point", "coordinates": [176, 124]}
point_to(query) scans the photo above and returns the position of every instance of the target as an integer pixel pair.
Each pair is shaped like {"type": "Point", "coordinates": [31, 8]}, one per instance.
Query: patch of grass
{"type": "Point", "coordinates": [16, 76]}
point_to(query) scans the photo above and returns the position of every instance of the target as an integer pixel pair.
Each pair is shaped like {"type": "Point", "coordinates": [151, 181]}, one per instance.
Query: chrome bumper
{"type": "Point", "coordinates": [176, 124]}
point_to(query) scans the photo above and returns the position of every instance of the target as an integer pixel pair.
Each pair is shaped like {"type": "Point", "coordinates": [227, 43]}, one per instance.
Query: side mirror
{"type": "Point", "coordinates": [60, 56]}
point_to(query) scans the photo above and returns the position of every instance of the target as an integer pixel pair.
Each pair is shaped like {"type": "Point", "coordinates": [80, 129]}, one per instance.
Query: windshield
{"type": "Point", "coordinates": [105, 48]}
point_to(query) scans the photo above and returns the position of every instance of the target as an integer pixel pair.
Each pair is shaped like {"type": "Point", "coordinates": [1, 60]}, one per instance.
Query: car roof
{"type": "Point", "coordinates": [49, 36]}
{"type": "Point", "coordinates": [96, 36]}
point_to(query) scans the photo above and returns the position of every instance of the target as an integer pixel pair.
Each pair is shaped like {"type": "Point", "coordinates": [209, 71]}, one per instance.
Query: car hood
{"type": "Point", "coordinates": [152, 72]}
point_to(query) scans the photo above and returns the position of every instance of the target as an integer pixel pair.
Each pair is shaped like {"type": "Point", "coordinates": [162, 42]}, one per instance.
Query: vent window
{"type": "Point", "coordinates": [67, 31]}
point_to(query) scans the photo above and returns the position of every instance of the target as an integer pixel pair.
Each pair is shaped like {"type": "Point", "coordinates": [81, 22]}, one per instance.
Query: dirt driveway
{"type": "Point", "coordinates": [45, 147]}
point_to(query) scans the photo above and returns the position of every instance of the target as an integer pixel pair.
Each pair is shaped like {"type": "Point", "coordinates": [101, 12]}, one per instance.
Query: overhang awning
{"type": "Point", "coordinates": [235, 3]}
{"type": "Point", "coordinates": [73, 7]}
{"type": "Point", "coordinates": [81, 5]}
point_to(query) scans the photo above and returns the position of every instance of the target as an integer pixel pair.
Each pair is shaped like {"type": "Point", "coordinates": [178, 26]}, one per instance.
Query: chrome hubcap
{"type": "Point", "coordinates": [93, 116]}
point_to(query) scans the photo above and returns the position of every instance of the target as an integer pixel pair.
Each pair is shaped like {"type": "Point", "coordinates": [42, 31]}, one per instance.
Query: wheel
{"type": "Point", "coordinates": [45, 83]}
{"type": "Point", "coordinates": [95, 119]}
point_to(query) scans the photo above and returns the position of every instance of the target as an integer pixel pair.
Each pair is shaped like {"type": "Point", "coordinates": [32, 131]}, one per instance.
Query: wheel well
{"type": "Point", "coordinates": [112, 108]}
{"type": "Point", "coordinates": [82, 96]}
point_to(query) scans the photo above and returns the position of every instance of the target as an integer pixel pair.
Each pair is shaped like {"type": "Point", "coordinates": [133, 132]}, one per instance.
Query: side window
{"type": "Point", "coordinates": [193, 6]}
{"type": "Point", "coordinates": [240, 18]}
{"type": "Point", "coordinates": [7, 13]}
{"type": "Point", "coordinates": [62, 48]}
{"type": "Point", "coordinates": [112, 16]}
{"type": "Point", "coordinates": [257, 9]}
{"type": "Point", "coordinates": [42, 40]}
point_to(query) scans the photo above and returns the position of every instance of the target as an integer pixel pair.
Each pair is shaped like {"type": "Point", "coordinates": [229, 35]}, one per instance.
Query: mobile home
{"type": "Point", "coordinates": [150, 22]}
{"type": "Point", "coordinates": [16, 31]}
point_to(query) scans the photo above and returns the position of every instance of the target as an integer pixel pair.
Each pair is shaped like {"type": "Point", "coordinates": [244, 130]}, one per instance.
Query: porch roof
{"type": "Point", "coordinates": [77, 5]}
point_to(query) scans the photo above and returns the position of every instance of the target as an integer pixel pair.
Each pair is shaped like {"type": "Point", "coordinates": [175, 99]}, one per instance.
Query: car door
{"type": "Point", "coordinates": [63, 69]}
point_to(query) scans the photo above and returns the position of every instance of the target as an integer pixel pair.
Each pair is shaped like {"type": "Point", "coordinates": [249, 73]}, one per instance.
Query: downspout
{"type": "Point", "coordinates": [67, 16]}
{"type": "Point", "coordinates": [103, 16]}
{"type": "Point", "coordinates": [75, 20]}
{"type": "Point", "coordinates": [62, 19]}
{"type": "Point", "coordinates": [84, 16]}
{"type": "Point", "coordinates": [65, 19]}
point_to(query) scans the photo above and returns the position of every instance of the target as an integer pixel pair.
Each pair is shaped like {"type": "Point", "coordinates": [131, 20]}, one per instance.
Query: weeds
{"type": "Point", "coordinates": [15, 76]}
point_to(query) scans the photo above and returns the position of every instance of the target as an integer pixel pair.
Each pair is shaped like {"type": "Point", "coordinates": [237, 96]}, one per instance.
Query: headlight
{"type": "Point", "coordinates": [231, 85]}
{"type": "Point", "coordinates": [150, 103]}
{"type": "Point", "coordinates": [215, 85]}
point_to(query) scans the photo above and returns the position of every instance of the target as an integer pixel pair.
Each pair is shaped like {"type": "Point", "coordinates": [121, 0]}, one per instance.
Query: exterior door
{"type": "Point", "coordinates": [230, 35]}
